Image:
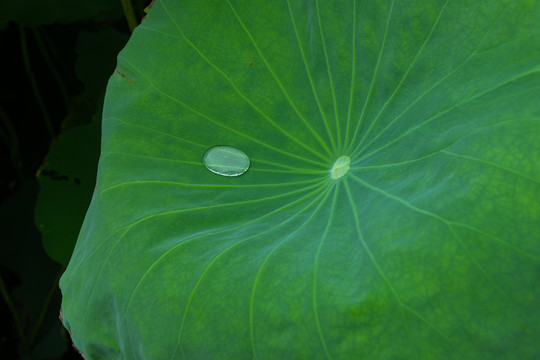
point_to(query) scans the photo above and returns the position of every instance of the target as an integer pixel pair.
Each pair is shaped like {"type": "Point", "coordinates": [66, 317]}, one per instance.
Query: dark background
{"type": "Point", "coordinates": [56, 58]}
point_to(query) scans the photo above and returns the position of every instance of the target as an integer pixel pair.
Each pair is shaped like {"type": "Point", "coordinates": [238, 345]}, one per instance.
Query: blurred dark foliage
{"type": "Point", "coordinates": [56, 59]}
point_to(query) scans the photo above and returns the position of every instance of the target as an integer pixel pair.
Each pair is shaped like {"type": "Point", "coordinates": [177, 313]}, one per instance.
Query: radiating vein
{"type": "Point", "coordinates": [172, 212]}
{"type": "Point", "coordinates": [430, 214]}
{"type": "Point", "coordinates": [306, 123]}
{"type": "Point", "coordinates": [353, 74]}
{"type": "Point", "coordinates": [477, 264]}
{"type": "Point", "coordinates": [471, 55]}
{"type": "Point", "coordinates": [213, 261]}
{"type": "Point", "coordinates": [400, 163]}
{"type": "Point", "coordinates": [316, 269]}
{"type": "Point", "coordinates": [155, 158]}
{"type": "Point", "coordinates": [436, 152]}
{"type": "Point", "coordinates": [332, 89]}
{"type": "Point", "coordinates": [401, 304]}
{"type": "Point", "coordinates": [440, 113]}
{"type": "Point", "coordinates": [205, 147]}
{"type": "Point", "coordinates": [161, 132]}
{"type": "Point", "coordinates": [324, 193]}
{"type": "Point", "coordinates": [497, 239]}
{"type": "Point", "coordinates": [446, 222]}
{"type": "Point", "coordinates": [504, 168]}
{"type": "Point", "coordinates": [77, 266]}
{"type": "Point", "coordinates": [254, 160]}
{"type": "Point", "coordinates": [266, 117]}
{"type": "Point", "coordinates": [375, 73]}
{"type": "Point", "coordinates": [210, 186]}
{"type": "Point", "coordinates": [130, 226]}
{"type": "Point", "coordinates": [220, 232]}
{"type": "Point", "coordinates": [102, 267]}
{"type": "Point", "coordinates": [257, 141]}
{"type": "Point", "coordinates": [329, 132]}
{"type": "Point", "coordinates": [375, 263]}
{"type": "Point", "coordinates": [404, 77]}
{"type": "Point", "coordinates": [225, 205]}
{"type": "Point", "coordinates": [289, 169]}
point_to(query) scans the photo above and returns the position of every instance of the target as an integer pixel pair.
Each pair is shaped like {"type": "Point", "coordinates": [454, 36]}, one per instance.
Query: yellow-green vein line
{"type": "Point", "coordinates": [242, 95]}
{"type": "Point", "coordinates": [489, 163]}
{"type": "Point", "coordinates": [358, 151]}
{"type": "Point", "coordinates": [438, 218]}
{"type": "Point", "coordinates": [330, 78]}
{"type": "Point", "coordinates": [325, 192]}
{"type": "Point", "coordinates": [375, 73]}
{"type": "Point", "coordinates": [315, 271]}
{"type": "Point", "coordinates": [441, 113]}
{"type": "Point", "coordinates": [222, 125]}
{"type": "Point", "coordinates": [211, 186]}
{"type": "Point", "coordinates": [403, 78]}
{"type": "Point", "coordinates": [375, 263]}
{"type": "Point", "coordinates": [329, 132]}
{"type": "Point", "coordinates": [353, 76]}
{"type": "Point", "coordinates": [313, 132]}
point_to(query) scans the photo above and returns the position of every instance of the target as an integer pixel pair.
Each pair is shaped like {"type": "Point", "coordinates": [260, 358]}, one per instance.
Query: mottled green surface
{"type": "Point", "coordinates": [428, 248]}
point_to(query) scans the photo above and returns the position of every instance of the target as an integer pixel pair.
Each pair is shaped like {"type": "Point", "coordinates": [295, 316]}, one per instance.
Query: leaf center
{"type": "Point", "coordinates": [341, 167]}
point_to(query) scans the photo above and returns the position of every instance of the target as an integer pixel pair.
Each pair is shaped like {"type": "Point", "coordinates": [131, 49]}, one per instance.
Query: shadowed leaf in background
{"type": "Point", "coordinates": [67, 177]}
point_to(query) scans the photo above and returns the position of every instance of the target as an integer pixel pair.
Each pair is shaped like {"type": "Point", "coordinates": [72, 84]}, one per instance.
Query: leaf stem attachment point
{"type": "Point", "coordinates": [341, 167]}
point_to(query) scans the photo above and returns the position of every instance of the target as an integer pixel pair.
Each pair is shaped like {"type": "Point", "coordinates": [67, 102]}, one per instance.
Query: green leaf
{"type": "Point", "coordinates": [66, 180]}
{"type": "Point", "coordinates": [390, 210]}
{"type": "Point", "coordinates": [67, 177]}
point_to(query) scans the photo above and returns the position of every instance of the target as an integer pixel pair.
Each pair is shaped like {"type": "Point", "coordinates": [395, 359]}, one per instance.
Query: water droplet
{"type": "Point", "coordinates": [341, 167]}
{"type": "Point", "coordinates": [226, 160]}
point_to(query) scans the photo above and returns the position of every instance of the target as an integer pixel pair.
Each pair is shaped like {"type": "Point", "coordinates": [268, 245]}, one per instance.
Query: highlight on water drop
{"type": "Point", "coordinates": [226, 160]}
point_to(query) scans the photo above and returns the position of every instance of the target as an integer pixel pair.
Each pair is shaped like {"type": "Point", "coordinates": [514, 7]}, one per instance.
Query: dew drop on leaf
{"type": "Point", "coordinates": [226, 160]}
{"type": "Point", "coordinates": [341, 167]}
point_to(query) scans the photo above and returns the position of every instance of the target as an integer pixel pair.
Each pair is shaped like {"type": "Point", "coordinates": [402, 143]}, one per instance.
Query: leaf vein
{"type": "Point", "coordinates": [316, 97]}
{"type": "Point", "coordinates": [310, 128]}
{"type": "Point", "coordinates": [242, 95]}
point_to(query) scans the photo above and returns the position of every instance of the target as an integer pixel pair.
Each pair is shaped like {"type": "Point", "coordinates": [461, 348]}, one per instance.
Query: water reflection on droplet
{"type": "Point", "coordinates": [226, 160]}
{"type": "Point", "coordinates": [341, 167]}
